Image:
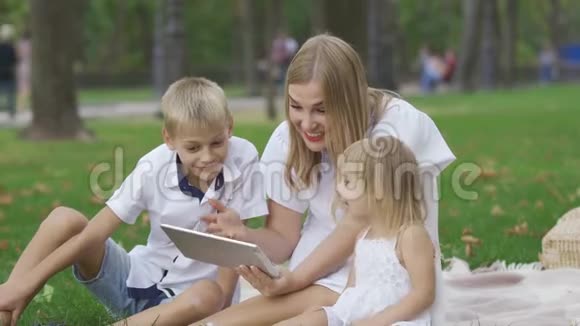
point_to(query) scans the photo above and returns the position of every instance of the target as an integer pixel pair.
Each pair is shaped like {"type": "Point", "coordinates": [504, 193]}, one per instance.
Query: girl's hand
{"type": "Point", "coordinates": [226, 222]}
{"type": "Point", "coordinates": [268, 286]}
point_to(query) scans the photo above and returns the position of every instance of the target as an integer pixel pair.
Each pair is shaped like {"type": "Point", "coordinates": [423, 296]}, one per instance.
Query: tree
{"type": "Point", "coordinates": [490, 45]}
{"type": "Point", "coordinates": [511, 40]}
{"type": "Point", "coordinates": [555, 28]}
{"type": "Point", "coordinates": [169, 49]}
{"type": "Point", "coordinates": [174, 40]}
{"type": "Point", "coordinates": [317, 17]}
{"type": "Point", "coordinates": [245, 12]}
{"type": "Point", "coordinates": [382, 26]}
{"type": "Point", "coordinates": [469, 44]}
{"type": "Point", "coordinates": [347, 19]}
{"type": "Point", "coordinates": [158, 62]}
{"type": "Point", "coordinates": [274, 16]}
{"type": "Point", "coordinates": [56, 28]}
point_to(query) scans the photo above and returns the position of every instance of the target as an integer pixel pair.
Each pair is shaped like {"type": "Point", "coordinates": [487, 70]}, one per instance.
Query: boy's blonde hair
{"type": "Point", "coordinates": [350, 105]}
{"type": "Point", "coordinates": [390, 178]}
{"type": "Point", "coordinates": [194, 102]}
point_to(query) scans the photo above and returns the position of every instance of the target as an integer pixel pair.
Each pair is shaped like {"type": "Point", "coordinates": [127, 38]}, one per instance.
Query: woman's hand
{"type": "Point", "coordinates": [268, 286]}
{"type": "Point", "coordinates": [14, 297]}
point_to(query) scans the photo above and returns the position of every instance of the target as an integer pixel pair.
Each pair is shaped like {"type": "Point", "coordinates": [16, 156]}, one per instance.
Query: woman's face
{"type": "Point", "coordinates": [307, 113]}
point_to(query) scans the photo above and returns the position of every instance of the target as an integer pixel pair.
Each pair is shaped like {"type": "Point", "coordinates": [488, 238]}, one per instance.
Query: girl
{"type": "Point", "coordinates": [393, 279]}
{"type": "Point", "coordinates": [329, 106]}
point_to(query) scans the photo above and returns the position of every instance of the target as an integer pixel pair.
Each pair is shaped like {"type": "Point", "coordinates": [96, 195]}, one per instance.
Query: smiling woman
{"type": "Point", "coordinates": [329, 106]}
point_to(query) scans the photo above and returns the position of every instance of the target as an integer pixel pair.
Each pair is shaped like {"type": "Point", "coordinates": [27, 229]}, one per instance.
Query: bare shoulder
{"type": "Point", "coordinates": [415, 238]}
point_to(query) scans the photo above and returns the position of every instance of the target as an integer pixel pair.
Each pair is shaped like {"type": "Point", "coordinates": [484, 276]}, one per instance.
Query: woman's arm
{"type": "Point", "coordinates": [417, 253]}
{"type": "Point", "coordinates": [331, 253]}
{"type": "Point", "coordinates": [281, 234]}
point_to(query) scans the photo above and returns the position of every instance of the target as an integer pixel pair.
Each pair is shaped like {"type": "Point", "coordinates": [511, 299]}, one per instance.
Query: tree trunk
{"type": "Point", "coordinates": [56, 28]}
{"type": "Point", "coordinates": [381, 24]}
{"type": "Point", "coordinates": [490, 45]}
{"type": "Point", "coordinates": [511, 42]}
{"type": "Point", "coordinates": [317, 17]}
{"type": "Point", "coordinates": [247, 38]}
{"type": "Point", "coordinates": [347, 19]}
{"type": "Point", "coordinates": [159, 79]}
{"type": "Point", "coordinates": [273, 24]}
{"type": "Point", "coordinates": [555, 30]}
{"type": "Point", "coordinates": [469, 44]}
{"type": "Point", "coordinates": [174, 33]}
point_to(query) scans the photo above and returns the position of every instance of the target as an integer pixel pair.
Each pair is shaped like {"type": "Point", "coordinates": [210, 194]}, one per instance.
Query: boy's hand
{"type": "Point", "coordinates": [226, 222]}
{"type": "Point", "coordinates": [14, 297]}
{"type": "Point", "coordinates": [268, 286]}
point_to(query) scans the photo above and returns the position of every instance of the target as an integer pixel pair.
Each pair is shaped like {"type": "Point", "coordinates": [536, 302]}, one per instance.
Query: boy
{"type": "Point", "coordinates": [199, 161]}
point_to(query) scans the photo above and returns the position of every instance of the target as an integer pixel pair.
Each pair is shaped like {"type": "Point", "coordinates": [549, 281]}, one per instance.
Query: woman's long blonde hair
{"type": "Point", "coordinates": [350, 105]}
{"type": "Point", "coordinates": [389, 177]}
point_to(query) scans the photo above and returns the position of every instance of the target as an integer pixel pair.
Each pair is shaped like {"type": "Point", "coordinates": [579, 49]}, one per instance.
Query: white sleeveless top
{"type": "Point", "coordinates": [380, 281]}
{"type": "Point", "coordinates": [401, 120]}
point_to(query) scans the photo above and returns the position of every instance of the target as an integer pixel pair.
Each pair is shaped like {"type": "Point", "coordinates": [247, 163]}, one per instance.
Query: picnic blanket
{"type": "Point", "coordinates": [511, 295]}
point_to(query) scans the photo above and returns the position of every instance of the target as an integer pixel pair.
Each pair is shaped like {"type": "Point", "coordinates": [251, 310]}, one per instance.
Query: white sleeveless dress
{"type": "Point", "coordinates": [381, 281]}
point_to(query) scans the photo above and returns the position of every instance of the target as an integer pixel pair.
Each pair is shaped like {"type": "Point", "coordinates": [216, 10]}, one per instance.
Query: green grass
{"type": "Point", "coordinates": [97, 96]}
{"type": "Point", "coordinates": [525, 140]}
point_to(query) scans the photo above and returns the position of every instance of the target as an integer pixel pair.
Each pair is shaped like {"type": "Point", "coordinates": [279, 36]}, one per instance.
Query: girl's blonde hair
{"type": "Point", "coordinates": [194, 102]}
{"type": "Point", "coordinates": [389, 177]}
{"type": "Point", "coordinates": [350, 105]}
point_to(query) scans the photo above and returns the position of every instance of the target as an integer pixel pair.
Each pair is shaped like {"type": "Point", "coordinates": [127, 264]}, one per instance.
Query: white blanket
{"type": "Point", "coordinates": [524, 295]}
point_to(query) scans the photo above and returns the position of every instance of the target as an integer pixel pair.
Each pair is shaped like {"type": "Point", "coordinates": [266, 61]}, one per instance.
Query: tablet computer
{"type": "Point", "coordinates": [213, 249]}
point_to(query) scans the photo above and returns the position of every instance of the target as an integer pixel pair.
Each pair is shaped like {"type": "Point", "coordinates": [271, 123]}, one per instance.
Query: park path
{"type": "Point", "coordinates": [150, 108]}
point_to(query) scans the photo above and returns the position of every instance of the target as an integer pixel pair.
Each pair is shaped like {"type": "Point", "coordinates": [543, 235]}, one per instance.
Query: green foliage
{"type": "Point", "coordinates": [119, 34]}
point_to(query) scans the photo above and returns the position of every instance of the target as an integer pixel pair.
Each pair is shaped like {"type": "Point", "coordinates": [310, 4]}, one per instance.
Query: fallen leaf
{"type": "Point", "coordinates": [505, 171]}
{"type": "Point", "coordinates": [542, 176]}
{"type": "Point", "coordinates": [26, 192]}
{"type": "Point", "coordinates": [539, 204]}
{"type": "Point", "coordinates": [466, 231]}
{"type": "Point", "coordinates": [55, 204]}
{"type": "Point", "coordinates": [490, 189]}
{"type": "Point", "coordinates": [28, 209]}
{"type": "Point", "coordinates": [91, 166]}
{"type": "Point", "coordinates": [4, 229]}
{"type": "Point", "coordinates": [496, 211]}
{"type": "Point", "coordinates": [523, 203]}
{"type": "Point", "coordinates": [468, 250]}
{"type": "Point", "coordinates": [471, 240]}
{"type": "Point", "coordinates": [572, 197]}
{"type": "Point", "coordinates": [6, 199]}
{"type": "Point", "coordinates": [488, 173]}
{"type": "Point", "coordinates": [519, 229]}
{"type": "Point", "coordinates": [42, 188]}
{"type": "Point", "coordinates": [4, 244]}
{"type": "Point", "coordinates": [145, 219]}
{"type": "Point", "coordinates": [97, 200]}
{"type": "Point", "coordinates": [66, 185]}
{"type": "Point", "coordinates": [555, 192]}
{"type": "Point", "coordinates": [18, 250]}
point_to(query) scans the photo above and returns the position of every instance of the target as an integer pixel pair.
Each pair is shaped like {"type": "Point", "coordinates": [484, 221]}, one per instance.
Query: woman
{"type": "Point", "coordinates": [328, 107]}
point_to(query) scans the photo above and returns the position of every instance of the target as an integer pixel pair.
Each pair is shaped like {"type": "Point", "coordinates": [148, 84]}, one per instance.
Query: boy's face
{"type": "Point", "coordinates": [202, 150]}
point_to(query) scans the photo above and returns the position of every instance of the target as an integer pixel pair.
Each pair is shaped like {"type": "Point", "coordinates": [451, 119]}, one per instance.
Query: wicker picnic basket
{"type": "Point", "coordinates": [561, 245]}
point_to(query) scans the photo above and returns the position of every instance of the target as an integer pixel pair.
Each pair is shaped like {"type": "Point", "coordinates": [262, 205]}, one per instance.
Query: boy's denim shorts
{"type": "Point", "coordinates": [110, 287]}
